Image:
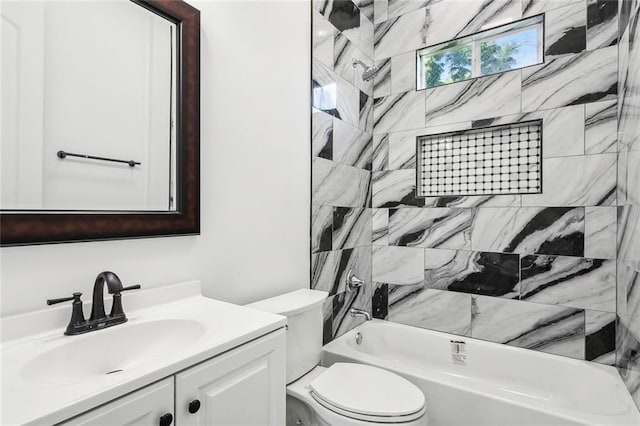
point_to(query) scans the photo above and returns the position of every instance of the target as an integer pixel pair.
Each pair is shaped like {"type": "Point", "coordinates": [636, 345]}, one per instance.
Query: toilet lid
{"type": "Point", "coordinates": [363, 390]}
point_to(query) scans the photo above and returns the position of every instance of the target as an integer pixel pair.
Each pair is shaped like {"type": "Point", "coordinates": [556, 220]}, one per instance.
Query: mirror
{"type": "Point", "coordinates": [100, 120]}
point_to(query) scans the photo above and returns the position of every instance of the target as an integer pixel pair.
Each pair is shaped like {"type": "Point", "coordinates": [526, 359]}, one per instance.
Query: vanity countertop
{"type": "Point", "coordinates": [48, 377]}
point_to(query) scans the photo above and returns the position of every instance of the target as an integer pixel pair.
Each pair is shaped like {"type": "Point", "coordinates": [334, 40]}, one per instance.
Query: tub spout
{"type": "Point", "coordinates": [355, 312]}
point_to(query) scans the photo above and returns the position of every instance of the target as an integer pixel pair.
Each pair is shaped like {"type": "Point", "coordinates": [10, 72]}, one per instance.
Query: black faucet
{"type": "Point", "coordinates": [98, 319]}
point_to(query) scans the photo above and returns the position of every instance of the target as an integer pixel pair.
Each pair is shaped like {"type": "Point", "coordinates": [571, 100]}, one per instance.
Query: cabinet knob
{"type": "Point", "coordinates": [194, 406]}
{"type": "Point", "coordinates": [166, 419]}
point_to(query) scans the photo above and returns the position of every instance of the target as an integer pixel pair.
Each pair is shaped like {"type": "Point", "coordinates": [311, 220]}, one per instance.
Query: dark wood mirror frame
{"type": "Point", "coordinates": [31, 227]}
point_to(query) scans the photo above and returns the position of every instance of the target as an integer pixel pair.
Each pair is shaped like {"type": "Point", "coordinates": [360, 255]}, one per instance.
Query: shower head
{"type": "Point", "coordinates": [369, 72]}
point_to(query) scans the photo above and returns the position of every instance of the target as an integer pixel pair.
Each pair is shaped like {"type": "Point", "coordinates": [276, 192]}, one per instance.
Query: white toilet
{"type": "Point", "coordinates": [345, 394]}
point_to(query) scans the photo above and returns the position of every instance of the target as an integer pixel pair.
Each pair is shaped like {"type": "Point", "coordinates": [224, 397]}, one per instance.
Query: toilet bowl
{"type": "Point", "coordinates": [344, 394]}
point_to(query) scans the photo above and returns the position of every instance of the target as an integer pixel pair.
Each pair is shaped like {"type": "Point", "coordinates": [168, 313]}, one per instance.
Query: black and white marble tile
{"type": "Point", "coordinates": [601, 127]}
{"type": "Point", "coordinates": [602, 23]}
{"type": "Point", "coordinates": [628, 289]}
{"type": "Point", "coordinates": [621, 188]}
{"type": "Point", "coordinates": [400, 34]}
{"type": "Point", "coordinates": [380, 227]}
{"type": "Point", "coordinates": [366, 32]}
{"type": "Point", "coordinates": [323, 7]}
{"type": "Point", "coordinates": [322, 39]}
{"type": "Point", "coordinates": [380, 152]}
{"type": "Point", "coordinates": [382, 80]}
{"type": "Point", "coordinates": [552, 329]}
{"type": "Point", "coordinates": [327, 320]}
{"type": "Point", "coordinates": [628, 178]}
{"type": "Point", "coordinates": [563, 129]}
{"type": "Point", "coordinates": [484, 97]}
{"type": "Point", "coordinates": [322, 271]}
{"type": "Point", "coordinates": [588, 180]}
{"type": "Point", "coordinates": [345, 16]}
{"type": "Point", "coordinates": [398, 265]}
{"type": "Point", "coordinates": [575, 282]}
{"type": "Point", "coordinates": [396, 188]}
{"type": "Point", "coordinates": [570, 80]}
{"type": "Point", "coordinates": [402, 149]}
{"type": "Point", "coordinates": [403, 72]}
{"type": "Point", "coordinates": [380, 11]}
{"type": "Point", "coordinates": [627, 343]}
{"type": "Point", "coordinates": [530, 230]}
{"type": "Point", "coordinates": [629, 236]}
{"type": "Point", "coordinates": [600, 339]}
{"type": "Point", "coordinates": [380, 301]}
{"type": "Point", "coordinates": [322, 135]}
{"type": "Point", "coordinates": [366, 115]}
{"type": "Point", "coordinates": [356, 260]}
{"type": "Point", "coordinates": [344, 52]}
{"type": "Point", "coordinates": [347, 102]}
{"type": "Point", "coordinates": [483, 273]}
{"type": "Point", "coordinates": [445, 23]}
{"type": "Point", "coordinates": [351, 146]}
{"type": "Point", "coordinates": [402, 145]}
{"type": "Point", "coordinates": [366, 9]}
{"type": "Point", "coordinates": [402, 7]}
{"type": "Point", "coordinates": [335, 184]}
{"type": "Point", "coordinates": [510, 200]}
{"type": "Point", "coordinates": [333, 95]}
{"type": "Point", "coordinates": [431, 227]}
{"type": "Point", "coordinates": [600, 232]}
{"type": "Point", "coordinates": [629, 91]}
{"type": "Point", "coordinates": [323, 88]}
{"type": "Point", "coordinates": [626, 9]}
{"type": "Point", "coordinates": [400, 111]}
{"type": "Point", "coordinates": [342, 304]}
{"type": "Point", "coordinates": [321, 228]}
{"type": "Point", "coordinates": [351, 227]}
{"type": "Point", "coordinates": [418, 306]}
{"type": "Point", "coordinates": [565, 30]}
{"type": "Point", "coordinates": [535, 7]}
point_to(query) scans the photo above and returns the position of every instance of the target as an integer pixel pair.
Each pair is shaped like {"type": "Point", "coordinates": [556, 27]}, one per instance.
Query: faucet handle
{"type": "Point", "coordinates": [131, 287]}
{"type": "Point", "coordinates": [77, 323]}
{"type": "Point", "coordinates": [116, 307]}
{"type": "Point", "coordinates": [74, 297]}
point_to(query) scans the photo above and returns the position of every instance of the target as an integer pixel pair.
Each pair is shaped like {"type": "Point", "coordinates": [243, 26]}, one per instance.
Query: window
{"type": "Point", "coordinates": [508, 47]}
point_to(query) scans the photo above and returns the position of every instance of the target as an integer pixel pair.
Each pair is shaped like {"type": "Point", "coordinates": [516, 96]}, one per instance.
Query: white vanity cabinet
{"type": "Point", "coordinates": [242, 387]}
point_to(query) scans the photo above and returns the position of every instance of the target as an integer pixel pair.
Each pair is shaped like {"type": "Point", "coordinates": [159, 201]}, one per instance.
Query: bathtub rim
{"type": "Point", "coordinates": [340, 347]}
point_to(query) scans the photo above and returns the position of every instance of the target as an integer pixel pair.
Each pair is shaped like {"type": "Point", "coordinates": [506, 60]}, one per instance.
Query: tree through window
{"type": "Point", "coordinates": [500, 49]}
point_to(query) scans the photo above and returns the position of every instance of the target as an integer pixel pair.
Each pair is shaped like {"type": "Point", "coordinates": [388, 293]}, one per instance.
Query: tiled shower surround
{"type": "Point", "coordinates": [536, 271]}
{"type": "Point", "coordinates": [628, 199]}
{"type": "Point", "coordinates": [342, 128]}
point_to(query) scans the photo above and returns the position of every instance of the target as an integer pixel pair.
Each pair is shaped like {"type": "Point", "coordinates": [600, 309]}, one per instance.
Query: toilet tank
{"type": "Point", "coordinates": [303, 309]}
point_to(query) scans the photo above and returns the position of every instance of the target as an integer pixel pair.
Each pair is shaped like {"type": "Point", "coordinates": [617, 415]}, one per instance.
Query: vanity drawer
{"type": "Point", "coordinates": [144, 407]}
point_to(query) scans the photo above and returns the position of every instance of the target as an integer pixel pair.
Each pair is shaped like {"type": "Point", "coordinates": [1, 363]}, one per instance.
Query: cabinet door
{"type": "Point", "coordinates": [143, 407]}
{"type": "Point", "coordinates": [246, 386]}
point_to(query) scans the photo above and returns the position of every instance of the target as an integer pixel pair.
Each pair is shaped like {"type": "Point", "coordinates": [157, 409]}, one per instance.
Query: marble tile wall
{"type": "Point", "coordinates": [628, 199]}
{"type": "Point", "coordinates": [534, 271]}
{"type": "Point", "coordinates": [342, 150]}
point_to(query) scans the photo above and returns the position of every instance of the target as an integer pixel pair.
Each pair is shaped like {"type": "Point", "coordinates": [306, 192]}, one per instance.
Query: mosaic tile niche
{"type": "Point", "coordinates": [492, 160]}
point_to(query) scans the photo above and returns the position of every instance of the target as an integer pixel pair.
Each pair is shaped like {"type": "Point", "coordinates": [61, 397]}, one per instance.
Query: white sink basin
{"type": "Point", "coordinates": [170, 329]}
{"type": "Point", "coordinates": [112, 350]}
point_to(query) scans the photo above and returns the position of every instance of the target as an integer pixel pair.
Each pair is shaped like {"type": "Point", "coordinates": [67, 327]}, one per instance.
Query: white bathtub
{"type": "Point", "coordinates": [498, 385]}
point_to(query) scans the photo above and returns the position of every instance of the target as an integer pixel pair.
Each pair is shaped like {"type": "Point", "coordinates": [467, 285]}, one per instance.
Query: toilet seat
{"type": "Point", "coordinates": [368, 393]}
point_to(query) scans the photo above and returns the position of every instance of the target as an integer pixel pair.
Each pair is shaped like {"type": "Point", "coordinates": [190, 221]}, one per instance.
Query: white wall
{"type": "Point", "coordinates": [255, 176]}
